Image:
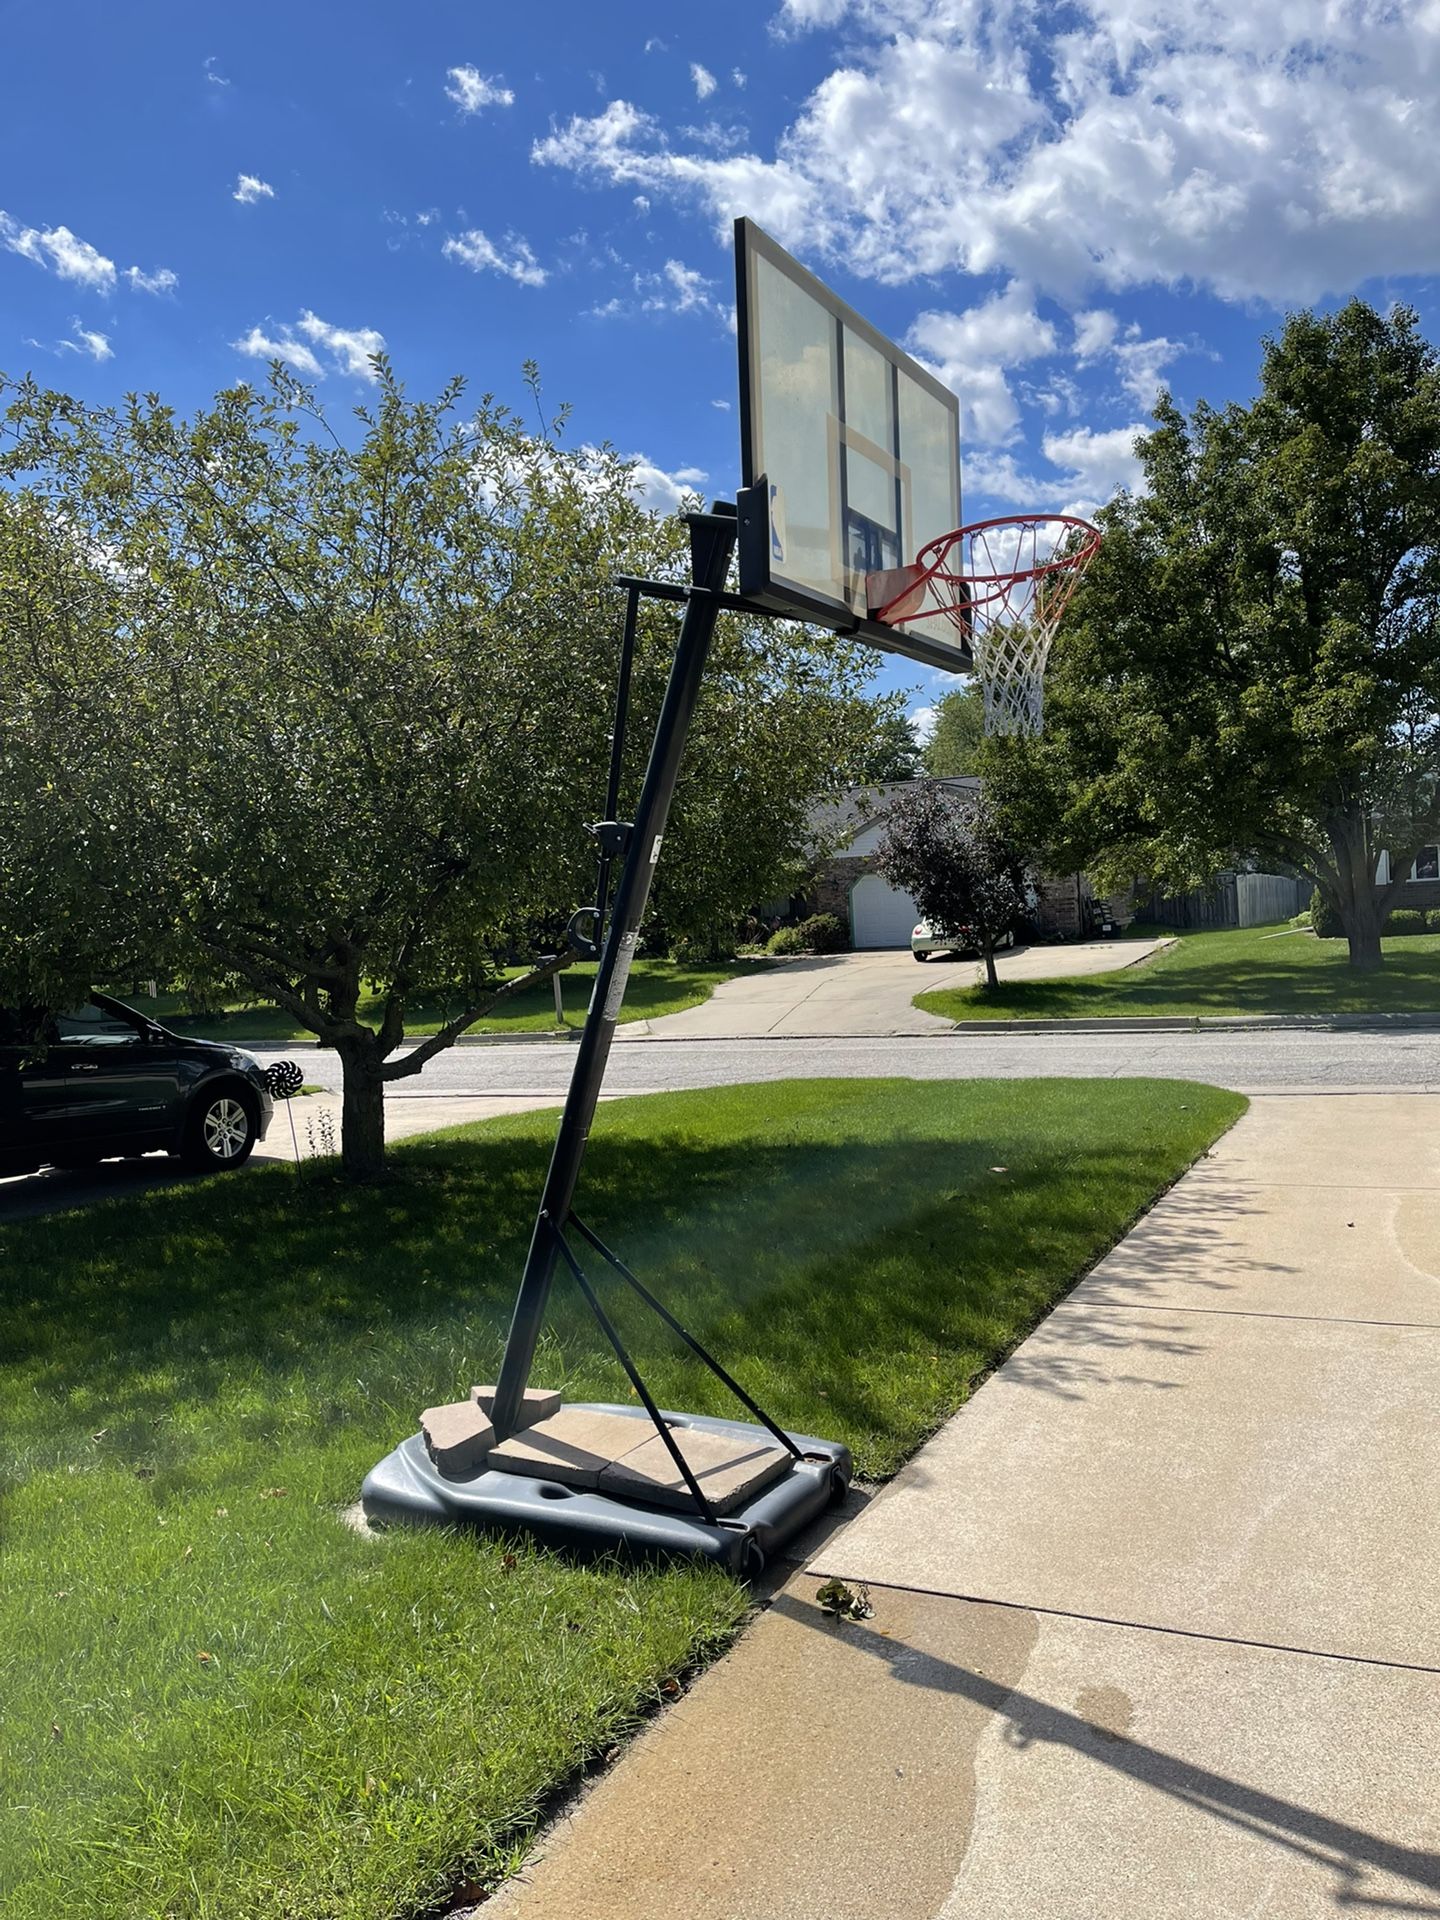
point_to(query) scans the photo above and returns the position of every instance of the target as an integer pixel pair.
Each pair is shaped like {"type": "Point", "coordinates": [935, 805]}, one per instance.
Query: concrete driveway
{"type": "Point", "coordinates": [867, 994]}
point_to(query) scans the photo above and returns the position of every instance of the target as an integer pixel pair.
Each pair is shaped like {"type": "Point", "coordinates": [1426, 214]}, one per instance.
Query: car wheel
{"type": "Point", "coordinates": [922, 956]}
{"type": "Point", "coordinates": [223, 1127]}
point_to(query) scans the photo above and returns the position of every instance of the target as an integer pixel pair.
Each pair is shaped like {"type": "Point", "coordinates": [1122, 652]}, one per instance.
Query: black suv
{"type": "Point", "coordinates": [102, 1079]}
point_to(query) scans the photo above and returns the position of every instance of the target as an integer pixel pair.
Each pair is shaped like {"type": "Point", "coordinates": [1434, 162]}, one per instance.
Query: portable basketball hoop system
{"type": "Point", "coordinates": [850, 456]}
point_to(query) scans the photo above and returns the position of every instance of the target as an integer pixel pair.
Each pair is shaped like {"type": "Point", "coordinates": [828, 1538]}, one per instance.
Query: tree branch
{"type": "Point", "coordinates": [446, 1036]}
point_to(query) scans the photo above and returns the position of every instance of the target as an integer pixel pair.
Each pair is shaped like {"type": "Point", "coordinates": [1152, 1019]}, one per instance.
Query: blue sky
{"type": "Point", "coordinates": [1057, 207]}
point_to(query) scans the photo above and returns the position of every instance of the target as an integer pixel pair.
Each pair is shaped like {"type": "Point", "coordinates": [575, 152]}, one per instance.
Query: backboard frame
{"type": "Point", "coordinates": [761, 580]}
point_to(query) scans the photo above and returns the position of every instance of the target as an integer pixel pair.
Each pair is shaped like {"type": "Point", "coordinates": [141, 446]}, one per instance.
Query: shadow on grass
{"type": "Point", "coordinates": [857, 1285]}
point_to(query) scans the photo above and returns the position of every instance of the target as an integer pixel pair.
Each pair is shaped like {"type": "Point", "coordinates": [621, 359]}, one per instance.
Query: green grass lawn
{"type": "Point", "coordinates": [219, 1702]}
{"type": "Point", "coordinates": [656, 987]}
{"type": "Point", "coordinates": [1252, 970]}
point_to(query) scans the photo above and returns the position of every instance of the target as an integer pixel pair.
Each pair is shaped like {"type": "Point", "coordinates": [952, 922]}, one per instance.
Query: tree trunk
{"type": "Point", "coordinates": [1363, 936]}
{"type": "Point", "coordinates": [362, 1117]}
{"type": "Point", "coordinates": [1359, 911]}
{"type": "Point", "coordinates": [992, 979]}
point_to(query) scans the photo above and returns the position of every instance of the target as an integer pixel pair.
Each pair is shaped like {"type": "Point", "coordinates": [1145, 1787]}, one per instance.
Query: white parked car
{"type": "Point", "coordinates": [924, 942]}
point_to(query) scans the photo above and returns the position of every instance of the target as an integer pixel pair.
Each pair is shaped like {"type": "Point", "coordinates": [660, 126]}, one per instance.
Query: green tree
{"type": "Point", "coordinates": [68, 913]}
{"type": "Point", "coordinates": [320, 716]}
{"type": "Point", "coordinates": [896, 754]}
{"type": "Point", "coordinates": [953, 853]}
{"type": "Point", "coordinates": [958, 734]}
{"type": "Point", "coordinates": [1251, 668]}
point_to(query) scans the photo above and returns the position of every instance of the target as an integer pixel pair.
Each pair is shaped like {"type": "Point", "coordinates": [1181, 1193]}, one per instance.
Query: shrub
{"type": "Point", "coordinates": [786, 940]}
{"type": "Point", "coordinates": [823, 933]}
{"type": "Point", "coordinates": [1324, 919]}
{"type": "Point", "coordinates": [1405, 920]}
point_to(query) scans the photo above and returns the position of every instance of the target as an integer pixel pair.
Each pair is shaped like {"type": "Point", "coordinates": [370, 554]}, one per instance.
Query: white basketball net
{"type": "Point", "coordinates": [1005, 584]}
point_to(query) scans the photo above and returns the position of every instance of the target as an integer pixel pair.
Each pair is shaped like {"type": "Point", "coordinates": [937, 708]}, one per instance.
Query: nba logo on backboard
{"type": "Point", "coordinates": [777, 526]}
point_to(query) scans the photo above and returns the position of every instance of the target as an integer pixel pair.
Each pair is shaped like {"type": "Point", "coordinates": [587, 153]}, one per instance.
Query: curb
{"type": "Point", "coordinates": [1217, 1023]}
{"type": "Point", "coordinates": [465, 1040]}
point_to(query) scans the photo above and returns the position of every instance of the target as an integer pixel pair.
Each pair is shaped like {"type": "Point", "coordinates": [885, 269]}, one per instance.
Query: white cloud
{"type": "Point", "coordinates": [472, 91]}
{"type": "Point", "coordinates": [476, 251]}
{"type": "Point", "coordinates": [703, 80]}
{"type": "Point", "coordinates": [1279, 152]}
{"type": "Point", "coordinates": [263, 346]}
{"type": "Point", "coordinates": [162, 280]}
{"type": "Point", "coordinates": [1140, 361]}
{"type": "Point", "coordinates": [1142, 364]}
{"type": "Point", "coordinates": [970, 352]}
{"type": "Point", "coordinates": [215, 79]}
{"type": "Point", "coordinates": [663, 492]}
{"type": "Point", "coordinates": [346, 349]}
{"type": "Point", "coordinates": [676, 289]}
{"type": "Point", "coordinates": [922, 724]}
{"type": "Point", "coordinates": [626, 147]}
{"type": "Point", "coordinates": [510, 473]}
{"type": "Point", "coordinates": [723, 405]}
{"type": "Point", "coordinates": [1097, 464]}
{"type": "Point", "coordinates": [85, 340]}
{"type": "Point", "coordinates": [97, 345]}
{"type": "Point", "coordinates": [60, 251]}
{"type": "Point", "coordinates": [249, 189]}
{"type": "Point", "coordinates": [1095, 331]}
{"type": "Point", "coordinates": [656, 45]}
{"type": "Point", "coordinates": [740, 79]}
{"type": "Point", "coordinates": [1090, 468]}
{"type": "Point", "coordinates": [350, 346]}
{"type": "Point", "coordinates": [799, 15]}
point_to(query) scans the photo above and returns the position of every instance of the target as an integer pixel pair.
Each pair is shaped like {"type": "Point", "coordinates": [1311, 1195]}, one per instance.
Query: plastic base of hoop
{"type": "Point", "coordinates": [407, 1488]}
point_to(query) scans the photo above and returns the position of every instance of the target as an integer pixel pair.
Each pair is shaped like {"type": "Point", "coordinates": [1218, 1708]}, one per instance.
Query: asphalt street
{"type": "Point", "coordinates": [1250, 1062]}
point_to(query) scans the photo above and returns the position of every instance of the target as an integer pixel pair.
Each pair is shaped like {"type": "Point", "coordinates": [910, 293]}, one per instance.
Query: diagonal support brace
{"type": "Point", "coordinates": [607, 1327]}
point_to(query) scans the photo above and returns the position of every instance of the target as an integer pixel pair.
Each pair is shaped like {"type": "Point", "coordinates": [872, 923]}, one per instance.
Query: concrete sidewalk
{"type": "Point", "coordinates": [1156, 1623]}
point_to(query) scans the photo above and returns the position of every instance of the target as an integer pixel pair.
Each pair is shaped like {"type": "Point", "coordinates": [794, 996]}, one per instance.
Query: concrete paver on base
{"type": "Point", "coordinates": [728, 1470]}
{"type": "Point", "coordinates": [573, 1446]}
{"type": "Point", "coordinates": [457, 1436]}
{"type": "Point", "coordinates": [1156, 1633]}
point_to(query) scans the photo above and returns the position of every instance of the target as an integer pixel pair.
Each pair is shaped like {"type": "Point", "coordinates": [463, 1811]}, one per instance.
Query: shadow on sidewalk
{"type": "Point", "coordinates": [1349, 1852]}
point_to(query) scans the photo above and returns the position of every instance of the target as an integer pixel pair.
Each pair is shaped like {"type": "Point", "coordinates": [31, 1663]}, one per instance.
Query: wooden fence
{"type": "Point", "coordinates": [1231, 900]}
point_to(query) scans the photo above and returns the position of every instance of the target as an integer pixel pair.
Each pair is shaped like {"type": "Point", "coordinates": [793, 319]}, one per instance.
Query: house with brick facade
{"type": "Point", "coordinates": [875, 914]}
{"type": "Point", "coordinates": [1420, 887]}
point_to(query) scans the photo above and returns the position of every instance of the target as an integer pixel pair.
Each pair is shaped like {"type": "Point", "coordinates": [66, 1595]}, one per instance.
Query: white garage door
{"type": "Point", "coordinates": [880, 915]}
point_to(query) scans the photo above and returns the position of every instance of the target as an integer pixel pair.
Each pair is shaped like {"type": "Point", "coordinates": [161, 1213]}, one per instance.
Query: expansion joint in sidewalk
{"type": "Point", "coordinates": [1137, 1626]}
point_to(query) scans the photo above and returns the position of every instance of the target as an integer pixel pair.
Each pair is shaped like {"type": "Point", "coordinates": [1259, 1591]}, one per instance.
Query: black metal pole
{"type": "Point", "coordinates": [712, 541]}
{"type": "Point", "coordinates": [617, 751]}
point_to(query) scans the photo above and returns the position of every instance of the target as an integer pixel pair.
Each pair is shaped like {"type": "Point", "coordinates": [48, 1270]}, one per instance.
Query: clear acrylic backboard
{"type": "Point", "coordinates": [850, 453]}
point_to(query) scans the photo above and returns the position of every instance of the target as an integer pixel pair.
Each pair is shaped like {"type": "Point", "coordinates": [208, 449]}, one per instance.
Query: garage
{"type": "Point", "coordinates": [880, 915]}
